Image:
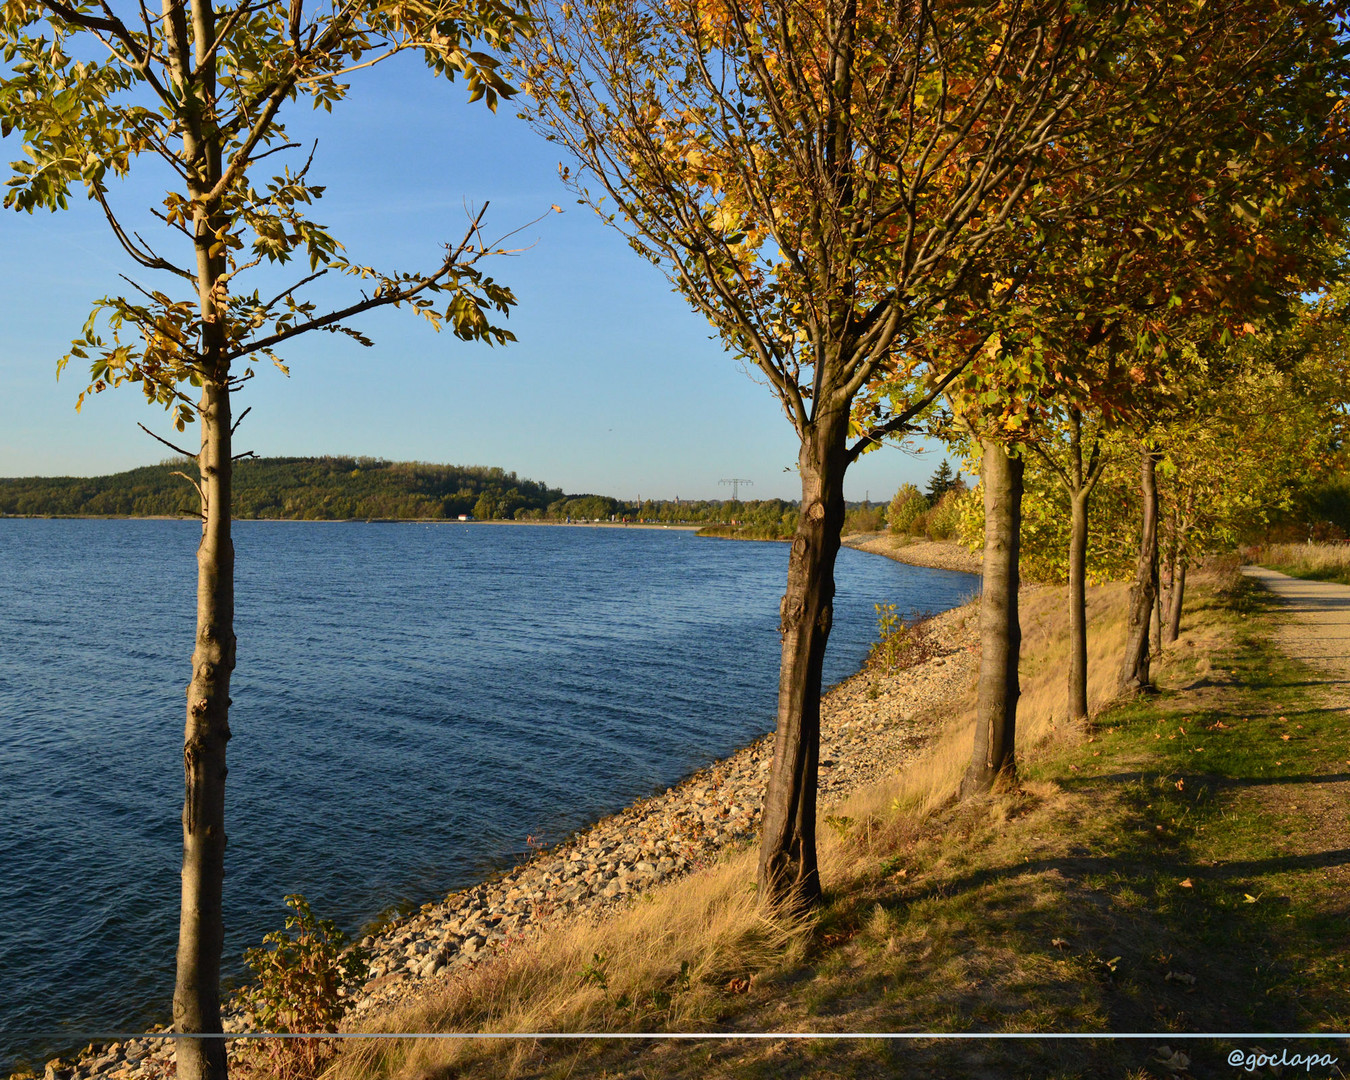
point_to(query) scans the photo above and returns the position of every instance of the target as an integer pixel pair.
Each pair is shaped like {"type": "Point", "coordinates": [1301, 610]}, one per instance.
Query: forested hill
{"type": "Point", "coordinates": [297, 488]}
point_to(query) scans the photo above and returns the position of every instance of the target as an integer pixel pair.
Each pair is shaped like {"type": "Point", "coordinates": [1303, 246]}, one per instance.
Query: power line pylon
{"type": "Point", "coordinates": [736, 483]}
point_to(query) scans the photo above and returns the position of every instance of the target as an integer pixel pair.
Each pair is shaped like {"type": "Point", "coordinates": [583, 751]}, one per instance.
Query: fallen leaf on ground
{"type": "Point", "coordinates": [1187, 884]}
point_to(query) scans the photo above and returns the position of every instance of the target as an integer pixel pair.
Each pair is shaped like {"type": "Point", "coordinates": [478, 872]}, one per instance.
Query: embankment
{"type": "Point", "coordinates": [939, 554]}
{"type": "Point", "coordinates": [1176, 867]}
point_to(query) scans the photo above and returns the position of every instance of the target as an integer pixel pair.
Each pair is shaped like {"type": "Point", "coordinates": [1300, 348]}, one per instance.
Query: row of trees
{"type": "Point", "coordinates": [1238, 432]}
{"type": "Point", "coordinates": [1051, 216]}
{"type": "Point", "coordinates": [1043, 216]}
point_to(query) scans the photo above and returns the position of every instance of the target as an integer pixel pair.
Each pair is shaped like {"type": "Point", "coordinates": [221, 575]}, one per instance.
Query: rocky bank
{"type": "Point", "coordinates": [939, 554]}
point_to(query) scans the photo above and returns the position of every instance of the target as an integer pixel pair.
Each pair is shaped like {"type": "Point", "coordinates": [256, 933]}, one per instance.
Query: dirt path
{"type": "Point", "coordinates": [1319, 631]}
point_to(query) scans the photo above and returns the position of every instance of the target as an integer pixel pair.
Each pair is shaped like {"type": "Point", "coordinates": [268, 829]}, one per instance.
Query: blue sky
{"type": "Point", "coordinates": [614, 385]}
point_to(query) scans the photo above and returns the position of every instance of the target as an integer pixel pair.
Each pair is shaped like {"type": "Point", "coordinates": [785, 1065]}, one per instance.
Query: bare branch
{"type": "Point", "coordinates": [278, 149]}
{"type": "Point", "coordinates": [287, 292]}
{"type": "Point", "coordinates": [201, 494]}
{"type": "Point", "coordinates": [175, 449]}
{"type": "Point", "coordinates": [239, 420]}
{"type": "Point", "coordinates": [143, 255]}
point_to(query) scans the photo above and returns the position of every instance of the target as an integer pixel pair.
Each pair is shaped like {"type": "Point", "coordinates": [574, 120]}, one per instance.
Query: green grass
{"type": "Point", "coordinates": [748, 532]}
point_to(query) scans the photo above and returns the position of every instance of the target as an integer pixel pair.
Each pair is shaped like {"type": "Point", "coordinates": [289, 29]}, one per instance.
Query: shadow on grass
{"type": "Point", "coordinates": [1210, 780]}
{"type": "Point", "coordinates": [1124, 868]}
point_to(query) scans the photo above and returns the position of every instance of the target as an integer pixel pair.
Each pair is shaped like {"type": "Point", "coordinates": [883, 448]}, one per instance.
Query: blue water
{"type": "Point", "coordinates": [411, 702]}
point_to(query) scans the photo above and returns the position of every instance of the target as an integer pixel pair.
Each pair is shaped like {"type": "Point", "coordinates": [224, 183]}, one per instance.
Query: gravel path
{"type": "Point", "coordinates": [872, 725]}
{"type": "Point", "coordinates": [1319, 631]}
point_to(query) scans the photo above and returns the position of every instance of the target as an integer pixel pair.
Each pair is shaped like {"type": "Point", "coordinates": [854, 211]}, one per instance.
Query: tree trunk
{"type": "Point", "coordinates": [788, 875]}
{"type": "Point", "coordinates": [1167, 575]}
{"type": "Point", "coordinates": [1134, 671]}
{"type": "Point", "coordinates": [1000, 630]}
{"type": "Point", "coordinates": [1178, 597]}
{"type": "Point", "coordinates": [1173, 627]}
{"type": "Point", "coordinates": [1078, 669]}
{"type": "Point", "coordinates": [201, 928]}
{"type": "Point", "coordinates": [1155, 622]}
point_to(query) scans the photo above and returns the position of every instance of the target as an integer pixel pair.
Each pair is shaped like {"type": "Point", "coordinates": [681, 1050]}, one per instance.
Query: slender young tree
{"type": "Point", "coordinates": [199, 87]}
{"type": "Point", "coordinates": [1082, 467]}
{"type": "Point", "coordinates": [1135, 666]}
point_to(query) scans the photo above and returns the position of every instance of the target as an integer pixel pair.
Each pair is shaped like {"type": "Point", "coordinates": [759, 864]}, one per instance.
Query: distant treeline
{"type": "Point", "coordinates": [325, 488]}
{"type": "Point", "coordinates": [345, 488]}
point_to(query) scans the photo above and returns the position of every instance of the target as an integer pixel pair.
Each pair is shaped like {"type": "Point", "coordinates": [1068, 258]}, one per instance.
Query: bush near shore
{"type": "Point", "coordinates": [1153, 871]}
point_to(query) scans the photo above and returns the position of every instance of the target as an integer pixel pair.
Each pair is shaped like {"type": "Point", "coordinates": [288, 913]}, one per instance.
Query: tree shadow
{"type": "Point", "coordinates": [1210, 780]}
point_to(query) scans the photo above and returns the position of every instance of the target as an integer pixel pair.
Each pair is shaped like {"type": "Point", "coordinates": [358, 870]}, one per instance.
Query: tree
{"type": "Point", "coordinates": [998, 688]}
{"type": "Point", "coordinates": [819, 178]}
{"type": "Point", "coordinates": [1233, 220]}
{"type": "Point", "coordinates": [941, 482]}
{"type": "Point", "coordinates": [199, 89]}
{"type": "Point", "coordinates": [906, 506]}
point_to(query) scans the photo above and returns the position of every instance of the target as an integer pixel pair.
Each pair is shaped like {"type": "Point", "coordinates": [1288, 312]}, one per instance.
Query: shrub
{"type": "Point", "coordinates": [945, 518]}
{"type": "Point", "coordinates": [900, 644]}
{"type": "Point", "coordinates": [908, 505]}
{"type": "Point", "coordinates": [298, 988]}
{"type": "Point", "coordinates": [864, 519]}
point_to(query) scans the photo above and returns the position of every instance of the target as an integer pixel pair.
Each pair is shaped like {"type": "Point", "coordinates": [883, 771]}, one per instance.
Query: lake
{"type": "Point", "coordinates": [411, 702]}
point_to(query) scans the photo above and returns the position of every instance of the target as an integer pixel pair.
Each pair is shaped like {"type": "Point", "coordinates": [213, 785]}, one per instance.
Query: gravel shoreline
{"type": "Point", "coordinates": [871, 725]}
{"type": "Point", "coordinates": [938, 554]}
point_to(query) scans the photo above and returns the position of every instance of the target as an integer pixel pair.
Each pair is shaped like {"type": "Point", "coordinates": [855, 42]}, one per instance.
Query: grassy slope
{"type": "Point", "coordinates": [1316, 562]}
{"type": "Point", "coordinates": [1180, 867]}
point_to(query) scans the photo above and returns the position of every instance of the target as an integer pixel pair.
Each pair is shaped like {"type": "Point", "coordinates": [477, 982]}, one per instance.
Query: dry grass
{"type": "Point", "coordinates": [1320, 562]}
{"type": "Point", "coordinates": [657, 966]}
{"type": "Point", "coordinates": [676, 958]}
{"type": "Point", "coordinates": [1042, 710]}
